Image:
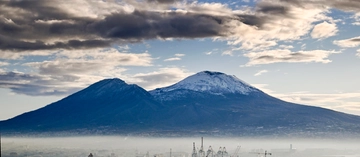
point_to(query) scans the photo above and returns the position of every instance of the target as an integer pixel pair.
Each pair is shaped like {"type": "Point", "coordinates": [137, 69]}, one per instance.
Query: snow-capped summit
{"type": "Point", "coordinates": [211, 82]}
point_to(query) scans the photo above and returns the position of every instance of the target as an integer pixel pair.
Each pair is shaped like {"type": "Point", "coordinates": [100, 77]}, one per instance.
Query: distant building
{"type": "Point", "coordinates": [13, 154]}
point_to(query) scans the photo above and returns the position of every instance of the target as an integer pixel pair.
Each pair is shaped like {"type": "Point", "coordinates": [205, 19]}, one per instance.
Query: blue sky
{"type": "Point", "coordinates": [302, 51]}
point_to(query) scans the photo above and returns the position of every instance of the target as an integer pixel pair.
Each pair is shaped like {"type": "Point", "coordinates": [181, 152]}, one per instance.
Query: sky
{"type": "Point", "coordinates": [301, 51]}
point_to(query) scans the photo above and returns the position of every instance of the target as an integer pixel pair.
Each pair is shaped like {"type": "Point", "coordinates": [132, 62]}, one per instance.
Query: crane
{"type": "Point", "coordinates": [210, 151]}
{"type": "Point", "coordinates": [236, 151]}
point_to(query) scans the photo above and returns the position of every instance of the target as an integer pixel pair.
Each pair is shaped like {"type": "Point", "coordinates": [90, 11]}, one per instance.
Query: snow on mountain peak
{"type": "Point", "coordinates": [213, 82]}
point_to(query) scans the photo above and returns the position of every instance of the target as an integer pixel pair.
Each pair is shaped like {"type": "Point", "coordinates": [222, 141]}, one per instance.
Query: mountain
{"type": "Point", "coordinates": [219, 103]}
{"type": "Point", "coordinates": [108, 104]}
{"type": "Point", "coordinates": [210, 103]}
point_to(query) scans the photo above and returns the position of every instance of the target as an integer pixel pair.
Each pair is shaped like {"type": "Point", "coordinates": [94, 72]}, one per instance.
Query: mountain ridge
{"type": "Point", "coordinates": [208, 104]}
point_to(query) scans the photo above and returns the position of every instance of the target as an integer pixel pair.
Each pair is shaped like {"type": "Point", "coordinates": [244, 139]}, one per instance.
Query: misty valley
{"type": "Point", "coordinates": [127, 146]}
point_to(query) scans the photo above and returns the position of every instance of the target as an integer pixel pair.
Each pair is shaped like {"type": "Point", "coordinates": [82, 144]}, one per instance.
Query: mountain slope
{"type": "Point", "coordinates": [109, 103]}
{"type": "Point", "coordinates": [214, 101]}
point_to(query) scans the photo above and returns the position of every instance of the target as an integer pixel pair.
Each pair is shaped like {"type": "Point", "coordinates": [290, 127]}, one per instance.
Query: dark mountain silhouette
{"type": "Point", "coordinates": [107, 104]}
{"type": "Point", "coordinates": [210, 103]}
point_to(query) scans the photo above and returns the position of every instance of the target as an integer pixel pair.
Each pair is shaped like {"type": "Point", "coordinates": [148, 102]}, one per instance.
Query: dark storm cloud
{"type": "Point", "coordinates": [35, 85]}
{"type": "Point", "coordinates": [148, 25]}
{"type": "Point", "coordinates": [39, 22]}
{"type": "Point", "coordinates": [272, 9]}
{"type": "Point", "coordinates": [345, 5]}
{"type": "Point", "coordinates": [253, 20]}
{"type": "Point", "coordinates": [265, 13]}
{"type": "Point", "coordinates": [34, 23]}
{"type": "Point", "coordinates": [40, 25]}
{"type": "Point", "coordinates": [292, 57]}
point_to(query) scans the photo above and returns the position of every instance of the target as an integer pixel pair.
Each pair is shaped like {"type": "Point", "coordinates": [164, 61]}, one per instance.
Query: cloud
{"type": "Point", "coordinates": [37, 85]}
{"type": "Point", "coordinates": [343, 102]}
{"type": "Point", "coordinates": [69, 71]}
{"type": "Point", "coordinates": [261, 72]}
{"type": "Point", "coordinates": [358, 53]}
{"type": "Point", "coordinates": [344, 5]}
{"type": "Point", "coordinates": [263, 87]}
{"type": "Point", "coordinates": [286, 46]}
{"type": "Point", "coordinates": [163, 1]}
{"type": "Point", "coordinates": [284, 55]}
{"type": "Point", "coordinates": [276, 21]}
{"type": "Point", "coordinates": [162, 25]}
{"type": "Point", "coordinates": [160, 78]}
{"type": "Point", "coordinates": [3, 63]}
{"type": "Point", "coordinates": [356, 17]}
{"type": "Point", "coordinates": [179, 55]}
{"type": "Point", "coordinates": [324, 30]}
{"type": "Point", "coordinates": [45, 25]}
{"type": "Point", "coordinates": [228, 52]}
{"type": "Point", "coordinates": [176, 58]}
{"type": "Point", "coordinates": [209, 53]}
{"type": "Point", "coordinates": [335, 101]}
{"type": "Point", "coordinates": [100, 61]}
{"type": "Point", "coordinates": [173, 59]}
{"type": "Point", "coordinates": [352, 42]}
{"type": "Point", "coordinates": [9, 55]}
{"type": "Point", "coordinates": [54, 25]}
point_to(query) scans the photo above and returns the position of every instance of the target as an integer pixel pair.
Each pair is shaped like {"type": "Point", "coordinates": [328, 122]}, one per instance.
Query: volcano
{"type": "Point", "coordinates": [206, 103]}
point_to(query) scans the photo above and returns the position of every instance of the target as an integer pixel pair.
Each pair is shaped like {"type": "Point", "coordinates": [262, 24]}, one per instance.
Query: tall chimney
{"type": "Point", "coordinates": [202, 143]}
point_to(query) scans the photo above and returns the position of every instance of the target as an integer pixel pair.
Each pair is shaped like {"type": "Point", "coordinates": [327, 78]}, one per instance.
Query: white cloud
{"type": "Point", "coordinates": [107, 56]}
{"type": "Point", "coordinates": [10, 55]}
{"type": "Point", "coordinates": [287, 56]}
{"type": "Point", "coordinates": [324, 30]}
{"type": "Point", "coordinates": [261, 72]}
{"type": "Point", "coordinates": [286, 46]}
{"type": "Point", "coordinates": [356, 17]}
{"type": "Point", "coordinates": [358, 53]}
{"type": "Point", "coordinates": [91, 63]}
{"type": "Point", "coordinates": [179, 55]}
{"type": "Point", "coordinates": [209, 53]}
{"type": "Point", "coordinates": [335, 101]}
{"type": "Point", "coordinates": [176, 58]}
{"type": "Point", "coordinates": [296, 24]}
{"type": "Point", "coordinates": [228, 52]}
{"type": "Point", "coordinates": [352, 42]}
{"type": "Point", "coordinates": [264, 88]}
{"type": "Point", "coordinates": [160, 78]}
{"type": "Point", "coordinates": [173, 59]}
{"type": "Point", "coordinates": [3, 63]}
